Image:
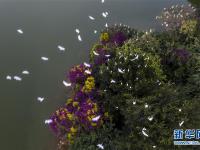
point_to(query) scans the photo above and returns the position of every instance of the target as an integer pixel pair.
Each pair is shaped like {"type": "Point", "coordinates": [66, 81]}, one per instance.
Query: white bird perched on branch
{"type": "Point", "coordinates": [144, 133]}
{"type": "Point", "coordinates": [88, 71]}
{"type": "Point", "coordinates": [96, 118]}
{"type": "Point", "coordinates": [95, 53]}
{"type": "Point", "coordinates": [86, 64]}
{"type": "Point", "coordinates": [100, 146]}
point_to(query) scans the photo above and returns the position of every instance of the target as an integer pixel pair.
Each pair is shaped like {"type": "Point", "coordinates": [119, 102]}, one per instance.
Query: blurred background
{"type": "Point", "coordinates": [47, 24]}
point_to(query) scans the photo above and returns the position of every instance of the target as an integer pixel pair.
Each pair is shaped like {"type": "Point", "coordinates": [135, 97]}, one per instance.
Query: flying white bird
{"type": "Point", "coordinates": [134, 102]}
{"type": "Point", "coordinates": [86, 64]}
{"type": "Point", "coordinates": [48, 121]}
{"type": "Point", "coordinates": [95, 53]}
{"type": "Point", "coordinates": [181, 123]}
{"type": "Point", "coordinates": [8, 77]}
{"type": "Point", "coordinates": [120, 70]}
{"type": "Point", "coordinates": [25, 72]}
{"type": "Point", "coordinates": [20, 31]}
{"type": "Point", "coordinates": [45, 58]}
{"type": "Point", "coordinates": [79, 38]}
{"type": "Point", "coordinates": [180, 110]}
{"type": "Point", "coordinates": [102, 1]}
{"type": "Point", "coordinates": [77, 31]}
{"type": "Point", "coordinates": [40, 99]}
{"type": "Point", "coordinates": [17, 78]}
{"type": "Point", "coordinates": [106, 25]}
{"type": "Point", "coordinates": [104, 14]}
{"type": "Point", "coordinates": [150, 118]}
{"type": "Point", "coordinates": [95, 31]}
{"type": "Point", "coordinates": [88, 71]}
{"type": "Point", "coordinates": [66, 84]}
{"type": "Point", "coordinates": [100, 146]}
{"type": "Point", "coordinates": [96, 118]}
{"type": "Point", "coordinates": [61, 48]}
{"type": "Point", "coordinates": [154, 146]}
{"type": "Point", "coordinates": [91, 18]}
{"type": "Point", "coordinates": [144, 133]}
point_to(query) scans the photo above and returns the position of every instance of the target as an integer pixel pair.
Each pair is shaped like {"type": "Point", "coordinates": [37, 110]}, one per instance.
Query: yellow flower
{"type": "Point", "coordinates": [70, 116]}
{"type": "Point", "coordinates": [94, 124]}
{"type": "Point", "coordinates": [69, 101]}
{"type": "Point", "coordinates": [104, 36]}
{"type": "Point", "coordinates": [95, 107]}
{"type": "Point", "coordinates": [89, 118]}
{"type": "Point", "coordinates": [73, 130]}
{"type": "Point", "coordinates": [106, 114]}
{"type": "Point", "coordinates": [69, 136]}
{"type": "Point", "coordinates": [89, 84]}
{"type": "Point", "coordinates": [188, 26]}
{"type": "Point", "coordinates": [75, 104]}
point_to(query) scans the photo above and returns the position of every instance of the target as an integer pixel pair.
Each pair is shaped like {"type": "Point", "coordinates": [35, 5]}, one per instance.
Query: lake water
{"type": "Point", "coordinates": [47, 24]}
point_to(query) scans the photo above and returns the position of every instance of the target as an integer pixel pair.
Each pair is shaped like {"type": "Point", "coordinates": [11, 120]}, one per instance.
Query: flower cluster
{"type": "Point", "coordinates": [188, 26]}
{"type": "Point", "coordinates": [89, 114]}
{"type": "Point", "coordinates": [89, 85]}
{"type": "Point", "coordinates": [81, 111]}
{"type": "Point", "coordinates": [77, 74]}
{"type": "Point", "coordinates": [173, 17]}
{"type": "Point", "coordinates": [64, 121]}
{"type": "Point", "coordinates": [182, 54]}
{"type": "Point", "coordinates": [139, 79]}
{"type": "Point", "coordinates": [116, 38]}
{"type": "Point", "coordinates": [100, 54]}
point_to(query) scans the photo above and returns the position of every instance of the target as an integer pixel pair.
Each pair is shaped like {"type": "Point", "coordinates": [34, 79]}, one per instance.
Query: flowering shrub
{"type": "Point", "coordinates": [136, 89]}
{"type": "Point", "coordinates": [173, 17]}
{"type": "Point", "coordinates": [188, 27]}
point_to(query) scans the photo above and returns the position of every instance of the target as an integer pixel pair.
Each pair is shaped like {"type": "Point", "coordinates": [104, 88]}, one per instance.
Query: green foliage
{"type": "Point", "coordinates": [152, 82]}
{"type": "Point", "coordinates": [195, 2]}
{"type": "Point", "coordinates": [131, 70]}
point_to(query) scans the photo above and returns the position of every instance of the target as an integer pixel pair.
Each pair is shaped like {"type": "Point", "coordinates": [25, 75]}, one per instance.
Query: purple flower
{"type": "Point", "coordinates": [61, 121]}
{"type": "Point", "coordinates": [80, 96]}
{"type": "Point", "coordinates": [88, 110]}
{"type": "Point", "coordinates": [77, 74]}
{"type": "Point", "coordinates": [182, 54]}
{"type": "Point", "coordinates": [119, 38]}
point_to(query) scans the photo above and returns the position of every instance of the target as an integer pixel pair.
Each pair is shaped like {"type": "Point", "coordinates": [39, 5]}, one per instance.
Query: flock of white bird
{"type": "Point", "coordinates": [67, 84]}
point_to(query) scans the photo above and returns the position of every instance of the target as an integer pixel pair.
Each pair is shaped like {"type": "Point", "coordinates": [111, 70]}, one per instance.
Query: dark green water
{"type": "Point", "coordinates": [47, 24]}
